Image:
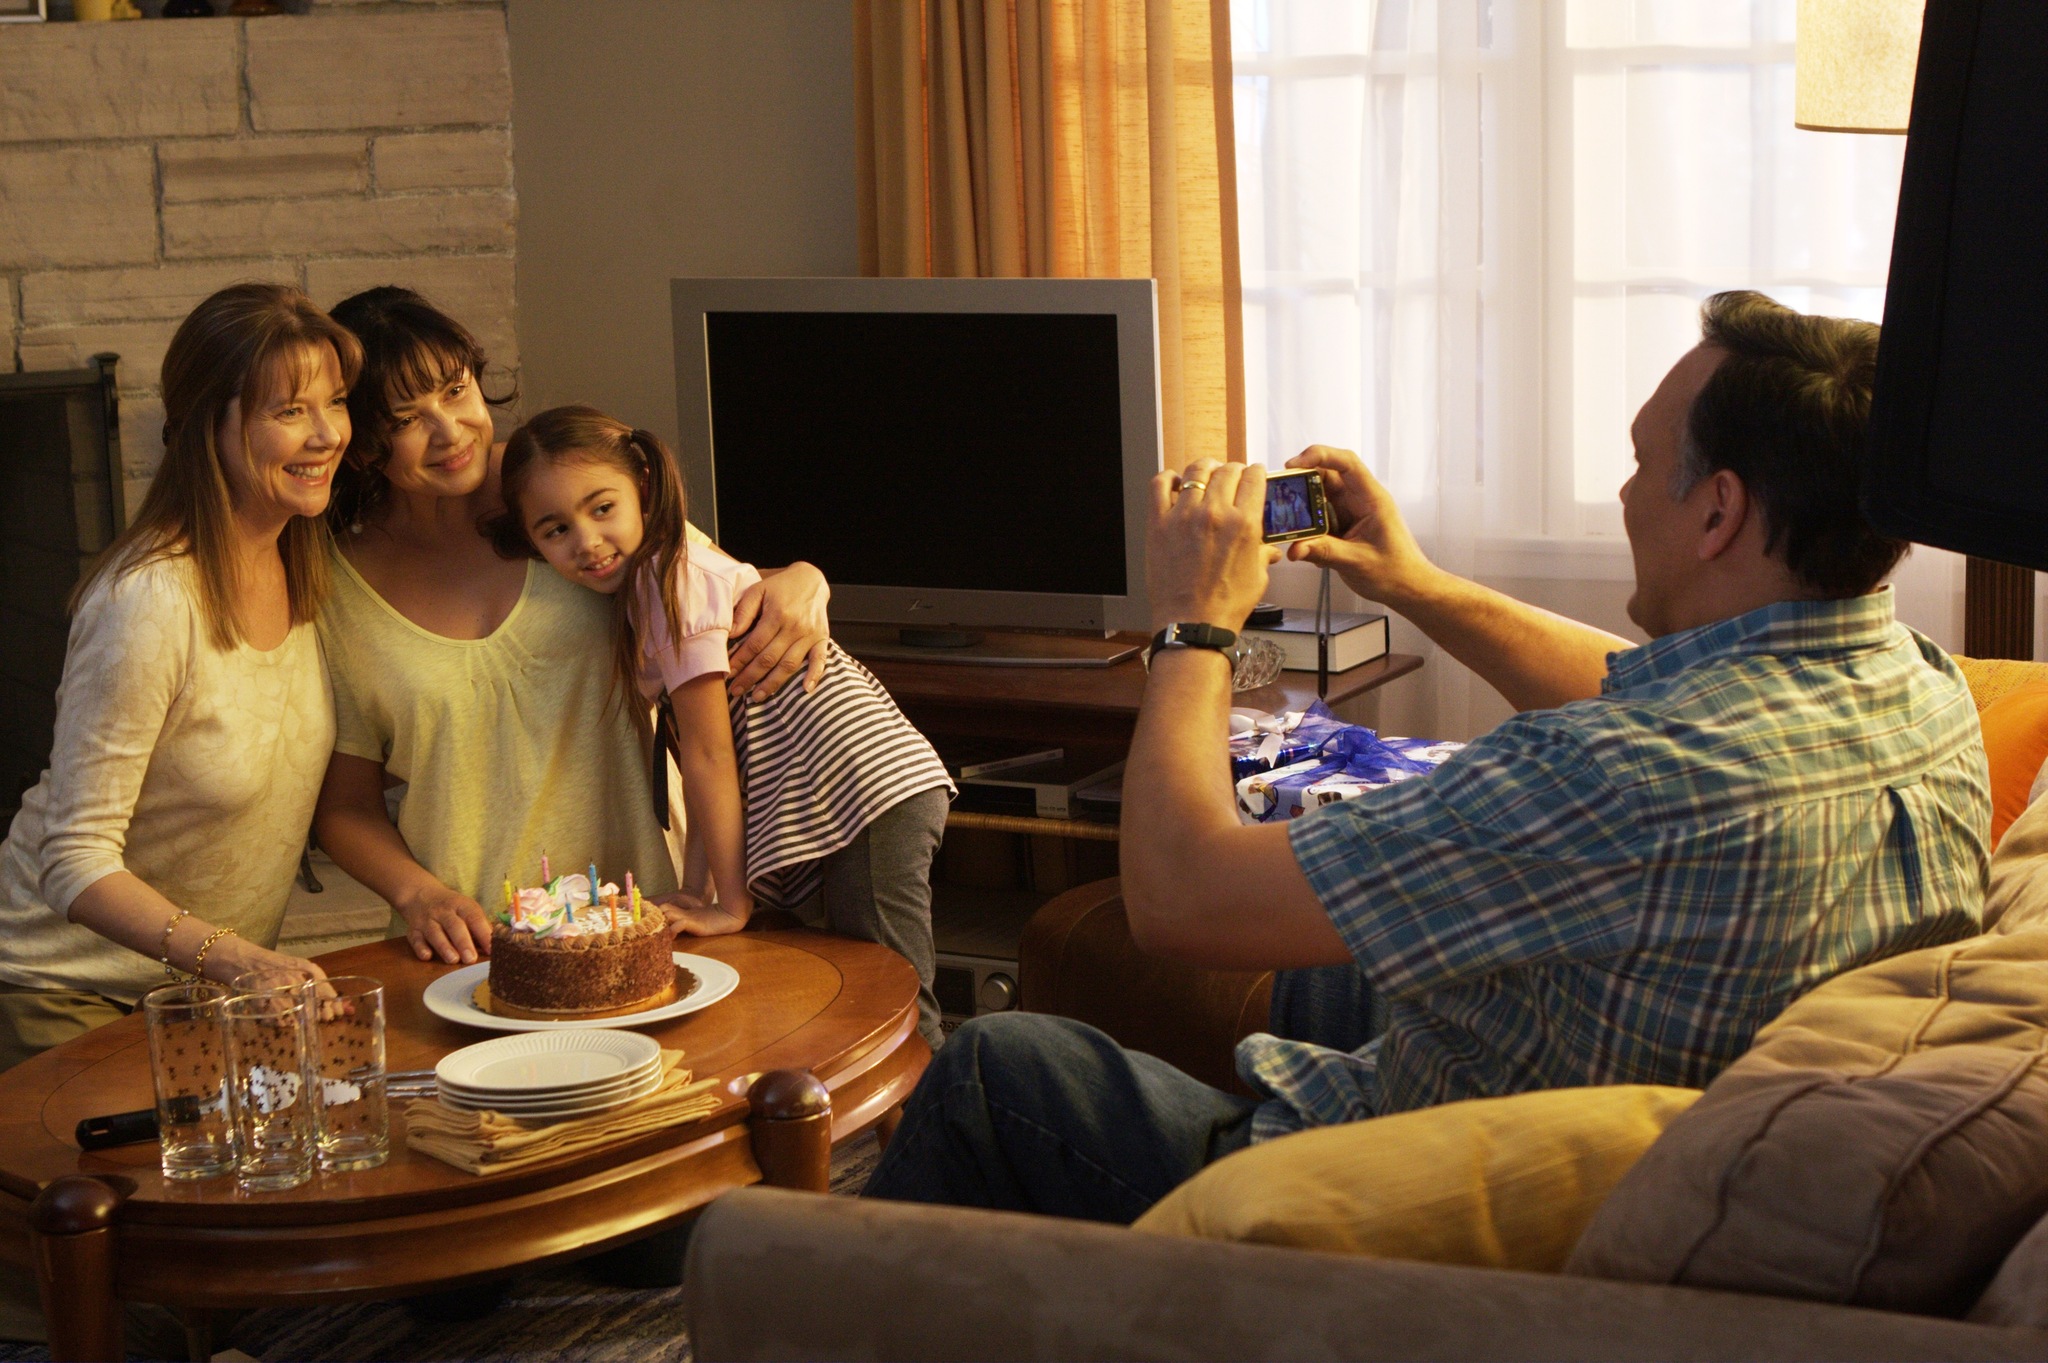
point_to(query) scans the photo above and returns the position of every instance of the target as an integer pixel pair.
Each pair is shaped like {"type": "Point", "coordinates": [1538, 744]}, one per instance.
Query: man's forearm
{"type": "Point", "coordinates": [1177, 797]}
{"type": "Point", "coordinates": [1199, 885]}
{"type": "Point", "coordinates": [1535, 658]}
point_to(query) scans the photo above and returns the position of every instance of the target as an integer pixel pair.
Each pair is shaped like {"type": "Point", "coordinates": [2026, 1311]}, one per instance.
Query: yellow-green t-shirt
{"type": "Point", "coordinates": [509, 746]}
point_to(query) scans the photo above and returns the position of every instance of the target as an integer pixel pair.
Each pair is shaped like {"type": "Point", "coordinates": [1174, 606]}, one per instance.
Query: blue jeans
{"type": "Point", "coordinates": [1035, 1113]}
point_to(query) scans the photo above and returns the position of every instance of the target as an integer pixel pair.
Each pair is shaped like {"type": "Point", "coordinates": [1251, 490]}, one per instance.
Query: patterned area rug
{"type": "Point", "coordinates": [563, 1313]}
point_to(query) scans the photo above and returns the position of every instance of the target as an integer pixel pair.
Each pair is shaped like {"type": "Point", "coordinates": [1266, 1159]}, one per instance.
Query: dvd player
{"type": "Point", "coordinates": [1045, 790]}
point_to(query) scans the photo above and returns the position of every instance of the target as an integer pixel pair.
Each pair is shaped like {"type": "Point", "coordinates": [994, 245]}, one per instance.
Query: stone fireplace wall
{"type": "Point", "coordinates": [145, 164]}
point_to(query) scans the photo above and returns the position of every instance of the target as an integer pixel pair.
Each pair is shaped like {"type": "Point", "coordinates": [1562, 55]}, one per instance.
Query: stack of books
{"type": "Point", "coordinates": [1354, 638]}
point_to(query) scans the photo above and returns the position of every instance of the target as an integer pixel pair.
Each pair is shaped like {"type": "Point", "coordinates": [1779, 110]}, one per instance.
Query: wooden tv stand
{"type": "Point", "coordinates": [1087, 706]}
{"type": "Point", "coordinates": [995, 870]}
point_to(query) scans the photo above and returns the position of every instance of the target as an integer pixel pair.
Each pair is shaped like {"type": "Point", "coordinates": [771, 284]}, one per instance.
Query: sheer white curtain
{"type": "Point", "coordinates": [1475, 235]}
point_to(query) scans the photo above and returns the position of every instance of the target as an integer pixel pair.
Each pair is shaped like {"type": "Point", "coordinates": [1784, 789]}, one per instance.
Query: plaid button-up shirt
{"type": "Point", "coordinates": [1623, 890]}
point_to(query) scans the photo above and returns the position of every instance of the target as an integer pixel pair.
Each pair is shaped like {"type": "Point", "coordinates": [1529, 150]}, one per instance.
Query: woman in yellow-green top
{"type": "Point", "coordinates": [483, 686]}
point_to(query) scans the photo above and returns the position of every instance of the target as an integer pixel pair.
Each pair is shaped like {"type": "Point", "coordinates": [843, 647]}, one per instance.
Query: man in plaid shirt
{"type": "Point", "coordinates": [1620, 885]}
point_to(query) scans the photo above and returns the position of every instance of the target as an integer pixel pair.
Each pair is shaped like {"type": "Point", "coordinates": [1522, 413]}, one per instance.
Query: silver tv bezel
{"type": "Point", "coordinates": [1131, 301]}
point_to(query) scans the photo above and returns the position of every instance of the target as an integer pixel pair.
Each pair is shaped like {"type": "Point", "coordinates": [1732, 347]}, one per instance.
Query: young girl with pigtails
{"type": "Point", "coordinates": [824, 802]}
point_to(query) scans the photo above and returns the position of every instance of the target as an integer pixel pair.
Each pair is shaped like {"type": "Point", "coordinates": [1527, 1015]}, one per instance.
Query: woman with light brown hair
{"type": "Point", "coordinates": [194, 720]}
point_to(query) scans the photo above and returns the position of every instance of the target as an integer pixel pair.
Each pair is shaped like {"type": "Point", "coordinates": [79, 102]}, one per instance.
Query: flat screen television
{"type": "Point", "coordinates": [1959, 423]}
{"type": "Point", "coordinates": [956, 455]}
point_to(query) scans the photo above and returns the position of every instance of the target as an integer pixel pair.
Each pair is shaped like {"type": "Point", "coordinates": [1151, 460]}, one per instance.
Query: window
{"type": "Point", "coordinates": [1476, 233]}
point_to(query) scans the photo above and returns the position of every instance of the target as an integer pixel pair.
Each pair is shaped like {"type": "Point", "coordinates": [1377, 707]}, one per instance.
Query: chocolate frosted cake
{"type": "Point", "coordinates": [620, 970]}
{"type": "Point", "coordinates": [574, 948]}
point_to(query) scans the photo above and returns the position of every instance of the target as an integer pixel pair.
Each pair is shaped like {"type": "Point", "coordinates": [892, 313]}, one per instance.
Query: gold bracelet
{"type": "Point", "coordinates": [199, 961]}
{"type": "Point", "coordinates": [163, 943]}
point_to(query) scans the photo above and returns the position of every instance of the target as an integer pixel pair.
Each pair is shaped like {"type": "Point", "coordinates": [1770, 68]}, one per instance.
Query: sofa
{"type": "Point", "coordinates": [1869, 1181]}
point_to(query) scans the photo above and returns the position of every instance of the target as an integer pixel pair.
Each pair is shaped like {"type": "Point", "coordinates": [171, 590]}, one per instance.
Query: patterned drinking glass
{"type": "Point", "coordinates": [274, 1120]}
{"type": "Point", "coordinates": [347, 1015]}
{"type": "Point", "coordinates": [187, 1060]}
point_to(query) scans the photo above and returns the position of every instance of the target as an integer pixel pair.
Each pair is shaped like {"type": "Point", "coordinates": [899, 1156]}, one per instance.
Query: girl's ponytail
{"type": "Point", "coordinates": [664, 508]}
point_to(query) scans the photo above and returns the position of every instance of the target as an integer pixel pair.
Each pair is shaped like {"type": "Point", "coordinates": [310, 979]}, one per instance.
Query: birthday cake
{"type": "Point", "coordinates": [563, 950]}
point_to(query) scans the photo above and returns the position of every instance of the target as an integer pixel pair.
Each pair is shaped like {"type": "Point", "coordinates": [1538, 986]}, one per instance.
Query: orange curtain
{"type": "Point", "coordinates": [1072, 138]}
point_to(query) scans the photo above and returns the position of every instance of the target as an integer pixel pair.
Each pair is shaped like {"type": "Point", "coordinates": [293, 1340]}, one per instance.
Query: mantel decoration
{"type": "Point", "coordinates": [24, 11]}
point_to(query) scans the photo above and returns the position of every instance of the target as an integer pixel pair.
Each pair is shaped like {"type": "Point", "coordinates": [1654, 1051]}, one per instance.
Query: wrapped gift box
{"type": "Point", "coordinates": [1282, 740]}
{"type": "Point", "coordinates": [1349, 764]}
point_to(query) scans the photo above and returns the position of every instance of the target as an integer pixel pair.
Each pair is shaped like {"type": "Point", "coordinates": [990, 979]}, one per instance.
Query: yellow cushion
{"type": "Point", "coordinates": [1493, 1182]}
{"type": "Point", "coordinates": [1990, 678]}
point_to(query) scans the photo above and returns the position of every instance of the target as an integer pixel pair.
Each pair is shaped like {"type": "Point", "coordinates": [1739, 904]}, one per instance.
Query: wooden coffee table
{"type": "Point", "coordinates": [819, 1042]}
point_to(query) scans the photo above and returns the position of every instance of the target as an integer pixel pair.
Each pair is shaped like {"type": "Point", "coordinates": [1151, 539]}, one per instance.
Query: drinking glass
{"type": "Point", "coordinates": [347, 1025]}
{"type": "Point", "coordinates": [274, 1123]}
{"type": "Point", "coordinates": [187, 1060]}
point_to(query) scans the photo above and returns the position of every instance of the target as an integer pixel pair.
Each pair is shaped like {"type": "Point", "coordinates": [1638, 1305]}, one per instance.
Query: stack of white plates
{"type": "Point", "coordinates": [548, 1076]}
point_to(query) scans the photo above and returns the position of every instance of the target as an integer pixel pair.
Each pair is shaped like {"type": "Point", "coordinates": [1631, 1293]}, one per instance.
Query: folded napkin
{"type": "Point", "coordinates": [488, 1142]}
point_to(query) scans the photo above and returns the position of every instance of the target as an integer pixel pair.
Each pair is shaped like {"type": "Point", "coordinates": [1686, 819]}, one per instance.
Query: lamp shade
{"type": "Point", "coordinates": [1856, 60]}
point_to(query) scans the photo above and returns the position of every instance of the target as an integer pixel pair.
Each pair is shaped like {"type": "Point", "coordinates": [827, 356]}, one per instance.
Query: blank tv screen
{"type": "Point", "coordinates": [979, 451]}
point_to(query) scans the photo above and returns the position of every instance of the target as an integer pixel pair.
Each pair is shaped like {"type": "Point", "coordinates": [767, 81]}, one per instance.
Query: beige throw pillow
{"type": "Point", "coordinates": [2017, 896]}
{"type": "Point", "coordinates": [1494, 1182]}
{"type": "Point", "coordinates": [1884, 1143]}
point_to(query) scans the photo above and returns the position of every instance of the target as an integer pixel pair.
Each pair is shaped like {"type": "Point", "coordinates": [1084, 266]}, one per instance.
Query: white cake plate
{"type": "Point", "coordinates": [449, 997]}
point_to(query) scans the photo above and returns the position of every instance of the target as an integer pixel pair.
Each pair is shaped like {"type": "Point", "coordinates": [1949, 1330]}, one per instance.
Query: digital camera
{"type": "Point", "coordinates": [1294, 506]}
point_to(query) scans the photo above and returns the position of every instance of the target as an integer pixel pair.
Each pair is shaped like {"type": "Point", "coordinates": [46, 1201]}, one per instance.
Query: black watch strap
{"type": "Point", "coordinates": [1191, 634]}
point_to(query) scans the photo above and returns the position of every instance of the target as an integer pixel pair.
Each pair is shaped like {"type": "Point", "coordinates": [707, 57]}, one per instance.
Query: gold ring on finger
{"type": "Point", "coordinates": [1192, 487]}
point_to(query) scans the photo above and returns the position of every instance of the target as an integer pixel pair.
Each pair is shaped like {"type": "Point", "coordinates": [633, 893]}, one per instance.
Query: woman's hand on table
{"type": "Point", "coordinates": [779, 625]}
{"type": "Point", "coordinates": [232, 957]}
{"type": "Point", "coordinates": [691, 916]}
{"type": "Point", "coordinates": [443, 924]}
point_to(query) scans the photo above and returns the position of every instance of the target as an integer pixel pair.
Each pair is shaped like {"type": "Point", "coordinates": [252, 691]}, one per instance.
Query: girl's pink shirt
{"type": "Point", "coordinates": [711, 581]}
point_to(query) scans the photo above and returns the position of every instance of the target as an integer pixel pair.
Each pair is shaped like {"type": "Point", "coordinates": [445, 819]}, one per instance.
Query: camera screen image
{"type": "Point", "coordinates": [1290, 508]}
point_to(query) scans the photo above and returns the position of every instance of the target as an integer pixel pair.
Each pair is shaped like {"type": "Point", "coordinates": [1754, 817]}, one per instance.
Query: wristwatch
{"type": "Point", "coordinates": [1190, 635]}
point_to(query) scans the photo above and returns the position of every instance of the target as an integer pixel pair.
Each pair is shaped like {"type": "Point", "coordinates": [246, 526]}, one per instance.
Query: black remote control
{"type": "Point", "coordinates": [117, 1128]}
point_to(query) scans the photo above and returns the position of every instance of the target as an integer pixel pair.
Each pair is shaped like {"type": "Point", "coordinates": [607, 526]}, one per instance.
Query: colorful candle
{"type": "Point", "coordinates": [593, 883]}
{"type": "Point", "coordinates": [544, 876]}
{"type": "Point", "coordinates": [632, 897]}
{"type": "Point", "coordinates": [636, 905]}
{"type": "Point", "coordinates": [511, 902]}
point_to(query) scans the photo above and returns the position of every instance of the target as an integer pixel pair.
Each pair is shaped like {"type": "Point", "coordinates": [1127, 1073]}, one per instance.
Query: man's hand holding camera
{"type": "Point", "coordinates": [1368, 544]}
{"type": "Point", "coordinates": [1207, 561]}
{"type": "Point", "coordinates": [1199, 885]}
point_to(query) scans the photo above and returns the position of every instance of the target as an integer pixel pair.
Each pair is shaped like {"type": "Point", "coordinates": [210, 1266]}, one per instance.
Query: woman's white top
{"type": "Point", "coordinates": [192, 768]}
